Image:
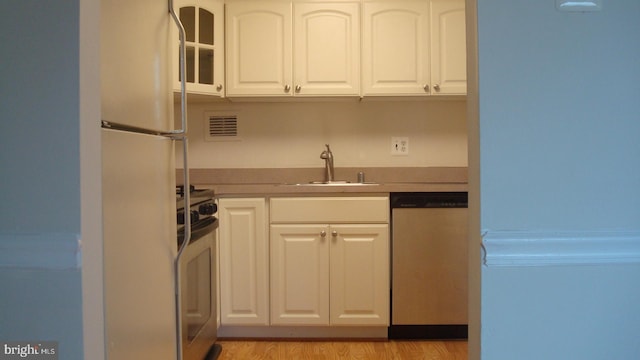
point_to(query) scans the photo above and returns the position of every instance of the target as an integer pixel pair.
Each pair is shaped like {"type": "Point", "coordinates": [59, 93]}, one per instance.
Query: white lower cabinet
{"type": "Point", "coordinates": [319, 263]}
{"type": "Point", "coordinates": [244, 261]}
{"type": "Point", "coordinates": [329, 273]}
{"type": "Point", "coordinates": [299, 275]}
{"type": "Point", "coordinates": [359, 274]}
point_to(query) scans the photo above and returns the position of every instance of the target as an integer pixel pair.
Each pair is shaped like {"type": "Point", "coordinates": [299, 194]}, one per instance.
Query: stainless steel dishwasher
{"type": "Point", "coordinates": [429, 265]}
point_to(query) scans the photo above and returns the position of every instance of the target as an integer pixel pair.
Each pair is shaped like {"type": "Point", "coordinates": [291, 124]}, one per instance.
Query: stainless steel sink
{"type": "Point", "coordinates": [334, 183]}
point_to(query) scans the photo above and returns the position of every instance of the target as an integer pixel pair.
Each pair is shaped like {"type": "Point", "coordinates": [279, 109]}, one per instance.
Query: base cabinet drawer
{"type": "Point", "coordinates": [350, 210]}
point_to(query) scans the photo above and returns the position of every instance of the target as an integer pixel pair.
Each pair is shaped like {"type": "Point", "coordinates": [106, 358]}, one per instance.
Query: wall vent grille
{"type": "Point", "coordinates": [221, 127]}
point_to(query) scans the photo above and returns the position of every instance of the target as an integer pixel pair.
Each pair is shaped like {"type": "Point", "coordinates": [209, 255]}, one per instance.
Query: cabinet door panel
{"type": "Point", "coordinates": [396, 47]}
{"type": "Point", "coordinates": [299, 275]}
{"type": "Point", "coordinates": [259, 48]}
{"type": "Point", "coordinates": [448, 66]}
{"type": "Point", "coordinates": [244, 279]}
{"type": "Point", "coordinates": [360, 274]}
{"type": "Point", "coordinates": [203, 22]}
{"type": "Point", "coordinates": [327, 48]}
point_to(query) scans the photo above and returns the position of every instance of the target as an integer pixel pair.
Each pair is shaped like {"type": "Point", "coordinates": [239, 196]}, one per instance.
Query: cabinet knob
{"type": "Point", "coordinates": [334, 233]}
{"type": "Point", "coordinates": [298, 88]}
{"type": "Point", "coordinates": [426, 87]}
{"type": "Point", "coordinates": [219, 87]}
{"type": "Point", "coordinates": [287, 88]}
{"type": "Point", "coordinates": [436, 87]}
{"type": "Point", "coordinates": [323, 233]}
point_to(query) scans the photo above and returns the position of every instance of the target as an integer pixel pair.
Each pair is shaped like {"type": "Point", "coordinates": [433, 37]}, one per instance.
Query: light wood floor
{"type": "Point", "coordinates": [376, 350]}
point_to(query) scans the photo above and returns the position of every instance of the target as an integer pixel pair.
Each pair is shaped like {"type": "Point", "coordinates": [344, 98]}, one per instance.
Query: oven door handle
{"type": "Point", "coordinates": [199, 230]}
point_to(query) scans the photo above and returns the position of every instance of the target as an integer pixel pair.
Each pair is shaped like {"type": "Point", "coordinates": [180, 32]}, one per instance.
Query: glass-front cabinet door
{"type": "Point", "coordinates": [203, 22]}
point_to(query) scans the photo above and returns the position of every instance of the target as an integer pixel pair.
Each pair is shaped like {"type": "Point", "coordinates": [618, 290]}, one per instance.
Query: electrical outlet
{"type": "Point", "coordinates": [400, 146]}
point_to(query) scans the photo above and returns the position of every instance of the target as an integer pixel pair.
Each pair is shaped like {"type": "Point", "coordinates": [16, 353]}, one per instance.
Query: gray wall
{"type": "Point", "coordinates": [39, 131]}
{"type": "Point", "coordinates": [560, 92]}
{"type": "Point", "coordinates": [40, 277]}
{"type": "Point", "coordinates": [559, 181]}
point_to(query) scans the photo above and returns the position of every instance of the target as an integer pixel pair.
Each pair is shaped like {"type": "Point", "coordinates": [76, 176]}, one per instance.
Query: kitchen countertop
{"type": "Point", "coordinates": [252, 182]}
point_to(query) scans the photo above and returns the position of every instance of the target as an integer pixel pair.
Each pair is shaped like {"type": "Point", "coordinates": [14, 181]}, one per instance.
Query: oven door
{"type": "Point", "coordinates": [198, 291]}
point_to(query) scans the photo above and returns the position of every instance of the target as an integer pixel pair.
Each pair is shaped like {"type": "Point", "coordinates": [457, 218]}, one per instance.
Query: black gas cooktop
{"type": "Point", "coordinates": [196, 195]}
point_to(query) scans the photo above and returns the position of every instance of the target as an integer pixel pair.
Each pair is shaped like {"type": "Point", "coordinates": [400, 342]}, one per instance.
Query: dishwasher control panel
{"type": "Point", "coordinates": [429, 200]}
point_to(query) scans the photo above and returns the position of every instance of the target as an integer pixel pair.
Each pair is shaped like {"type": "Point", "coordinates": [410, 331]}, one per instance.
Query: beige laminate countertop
{"type": "Point", "coordinates": [252, 182]}
{"type": "Point", "coordinates": [278, 189]}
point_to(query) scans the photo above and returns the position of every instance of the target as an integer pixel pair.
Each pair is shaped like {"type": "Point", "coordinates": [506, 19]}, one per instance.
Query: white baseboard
{"type": "Point", "coordinates": [303, 332]}
{"type": "Point", "coordinates": [519, 248]}
{"type": "Point", "coordinates": [58, 251]}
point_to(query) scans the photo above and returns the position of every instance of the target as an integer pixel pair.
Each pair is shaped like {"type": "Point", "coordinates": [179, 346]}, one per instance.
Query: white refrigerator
{"type": "Point", "coordinates": [139, 204]}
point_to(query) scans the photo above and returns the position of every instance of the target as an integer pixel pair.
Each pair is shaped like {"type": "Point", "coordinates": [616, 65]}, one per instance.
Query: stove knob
{"type": "Point", "coordinates": [208, 209]}
{"type": "Point", "coordinates": [195, 216]}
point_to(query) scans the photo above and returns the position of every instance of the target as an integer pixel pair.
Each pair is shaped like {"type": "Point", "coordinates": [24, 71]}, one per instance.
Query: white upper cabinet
{"type": "Point", "coordinates": [258, 48]}
{"type": "Point", "coordinates": [396, 48]}
{"type": "Point", "coordinates": [313, 48]}
{"type": "Point", "coordinates": [448, 44]}
{"type": "Point", "coordinates": [203, 22]}
{"type": "Point", "coordinates": [413, 47]}
{"type": "Point", "coordinates": [327, 48]}
{"type": "Point", "coordinates": [279, 48]}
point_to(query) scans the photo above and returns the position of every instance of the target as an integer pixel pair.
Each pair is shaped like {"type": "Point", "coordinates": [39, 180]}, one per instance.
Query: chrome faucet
{"type": "Point", "coordinates": [327, 155]}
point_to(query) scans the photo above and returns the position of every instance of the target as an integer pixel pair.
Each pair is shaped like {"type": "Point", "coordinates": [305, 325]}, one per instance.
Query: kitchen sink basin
{"type": "Point", "coordinates": [333, 183]}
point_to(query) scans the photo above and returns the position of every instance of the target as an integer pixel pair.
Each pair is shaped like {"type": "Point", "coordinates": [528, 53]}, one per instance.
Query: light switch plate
{"type": "Point", "coordinates": [400, 146]}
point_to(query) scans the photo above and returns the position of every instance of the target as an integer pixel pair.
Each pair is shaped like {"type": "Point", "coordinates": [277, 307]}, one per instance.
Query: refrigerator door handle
{"type": "Point", "coordinates": [183, 69]}
{"type": "Point", "coordinates": [185, 153]}
{"type": "Point", "coordinates": [180, 134]}
{"type": "Point", "coordinates": [185, 243]}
